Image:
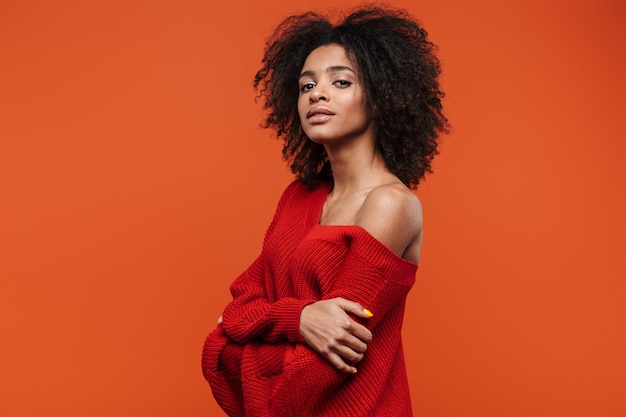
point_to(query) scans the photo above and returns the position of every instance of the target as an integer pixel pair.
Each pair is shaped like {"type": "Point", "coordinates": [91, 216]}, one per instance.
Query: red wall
{"type": "Point", "coordinates": [135, 184]}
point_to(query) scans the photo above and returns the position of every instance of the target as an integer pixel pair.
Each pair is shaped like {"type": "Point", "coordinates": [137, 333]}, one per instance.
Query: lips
{"type": "Point", "coordinates": [319, 114]}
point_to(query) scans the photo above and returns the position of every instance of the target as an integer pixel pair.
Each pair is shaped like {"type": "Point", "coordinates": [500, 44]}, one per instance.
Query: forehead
{"type": "Point", "coordinates": [327, 56]}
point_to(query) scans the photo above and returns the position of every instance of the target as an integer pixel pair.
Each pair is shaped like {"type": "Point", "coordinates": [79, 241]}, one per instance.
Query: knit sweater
{"type": "Point", "coordinates": [256, 360]}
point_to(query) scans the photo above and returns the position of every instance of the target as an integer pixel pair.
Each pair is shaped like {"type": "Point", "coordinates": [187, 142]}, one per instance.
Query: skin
{"type": "Point", "coordinates": [333, 112]}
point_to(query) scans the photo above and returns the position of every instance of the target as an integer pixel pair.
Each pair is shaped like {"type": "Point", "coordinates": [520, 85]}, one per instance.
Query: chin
{"type": "Point", "coordinates": [318, 137]}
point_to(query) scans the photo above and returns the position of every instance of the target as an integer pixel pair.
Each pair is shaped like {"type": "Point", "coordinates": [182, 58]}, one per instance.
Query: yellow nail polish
{"type": "Point", "coordinates": [368, 313]}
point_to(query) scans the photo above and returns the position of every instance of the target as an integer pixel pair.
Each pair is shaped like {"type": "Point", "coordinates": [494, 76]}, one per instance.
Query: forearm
{"type": "Point", "coordinates": [375, 289]}
{"type": "Point", "coordinates": [249, 319]}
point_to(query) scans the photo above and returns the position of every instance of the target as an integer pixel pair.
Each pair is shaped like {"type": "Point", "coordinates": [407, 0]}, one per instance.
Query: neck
{"type": "Point", "coordinates": [356, 169]}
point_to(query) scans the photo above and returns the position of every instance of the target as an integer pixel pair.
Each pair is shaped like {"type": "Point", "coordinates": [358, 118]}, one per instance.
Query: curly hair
{"type": "Point", "coordinates": [399, 72]}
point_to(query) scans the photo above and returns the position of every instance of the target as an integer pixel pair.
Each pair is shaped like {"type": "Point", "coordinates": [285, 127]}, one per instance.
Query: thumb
{"type": "Point", "coordinates": [356, 309]}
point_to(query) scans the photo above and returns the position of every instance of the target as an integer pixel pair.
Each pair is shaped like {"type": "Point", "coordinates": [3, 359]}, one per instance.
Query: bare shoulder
{"type": "Point", "coordinates": [392, 213]}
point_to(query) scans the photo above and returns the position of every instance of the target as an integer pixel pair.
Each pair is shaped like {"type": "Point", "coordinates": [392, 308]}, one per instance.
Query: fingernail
{"type": "Point", "coordinates": [354, 371]}
{"type": "Point", "coordinates": [368, 313]}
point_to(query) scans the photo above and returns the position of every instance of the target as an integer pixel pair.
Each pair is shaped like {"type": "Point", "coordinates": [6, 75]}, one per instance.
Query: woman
{"type": "Point", "coordinates": [314, 327]}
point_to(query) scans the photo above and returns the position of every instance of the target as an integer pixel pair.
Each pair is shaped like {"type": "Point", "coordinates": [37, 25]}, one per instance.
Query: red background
{"type": "Point", "coordinates": [135, 184]}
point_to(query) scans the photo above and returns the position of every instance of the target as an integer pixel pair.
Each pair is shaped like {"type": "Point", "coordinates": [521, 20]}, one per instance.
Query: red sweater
{"type": "Point", "coordinates": [257, 362]}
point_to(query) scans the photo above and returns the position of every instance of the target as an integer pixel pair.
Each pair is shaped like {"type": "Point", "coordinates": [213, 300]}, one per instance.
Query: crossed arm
{"type": "Point", "coordinates": [327, 326]}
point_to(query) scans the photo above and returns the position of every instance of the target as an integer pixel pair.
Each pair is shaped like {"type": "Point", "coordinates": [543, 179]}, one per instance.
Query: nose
{"type": "Point", "coordinates": [318, 94]}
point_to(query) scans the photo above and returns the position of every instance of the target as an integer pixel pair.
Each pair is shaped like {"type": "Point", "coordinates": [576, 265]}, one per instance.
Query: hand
{"type": "Point", "coordinates": [328, 330]}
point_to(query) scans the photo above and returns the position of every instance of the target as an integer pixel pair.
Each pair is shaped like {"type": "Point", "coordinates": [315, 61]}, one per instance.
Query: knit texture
{"type": "Point", "coordinates": [256, 360]}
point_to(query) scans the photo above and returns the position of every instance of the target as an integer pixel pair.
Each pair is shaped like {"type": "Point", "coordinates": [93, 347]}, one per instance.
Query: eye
{"type": "Point", "coordinates": [343, 83]}
{"type": "Point", "coordinates": [306, 87]}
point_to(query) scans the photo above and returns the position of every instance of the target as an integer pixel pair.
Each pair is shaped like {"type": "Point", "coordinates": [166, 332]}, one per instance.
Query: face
{"type": "Point", "coordinates": [332, 104]}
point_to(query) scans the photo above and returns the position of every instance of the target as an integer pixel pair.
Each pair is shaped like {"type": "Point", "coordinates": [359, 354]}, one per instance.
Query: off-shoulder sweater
{"type": "Point", "coordinates": [256, 360]}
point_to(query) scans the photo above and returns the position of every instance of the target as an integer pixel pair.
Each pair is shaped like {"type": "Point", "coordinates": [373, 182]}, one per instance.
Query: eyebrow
{"type": "Point", "coordinates": [329, 69]}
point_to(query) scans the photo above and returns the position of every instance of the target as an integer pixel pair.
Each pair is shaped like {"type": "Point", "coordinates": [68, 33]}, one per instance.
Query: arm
{"type": "Point", "coordinates": [372, 276]}
{"type": "Point", "coordinates": [392, 215]}
{"type": "Point", "coordinates": [295, 376]}
{"type": "Point", "coordinates": [252, 314]}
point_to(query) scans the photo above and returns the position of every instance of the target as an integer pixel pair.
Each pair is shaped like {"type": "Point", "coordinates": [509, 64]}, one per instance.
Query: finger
{"type": "Point", "coordinates": [355, 344]}
{"type": "Point", "coordinates": [349, 355]}
{"type": "Point", "coordinates": [361, 332]}
{"type": "Point", "coordinates": [340, 364]}
{"type": "Point", "coordinates": [355, 308]}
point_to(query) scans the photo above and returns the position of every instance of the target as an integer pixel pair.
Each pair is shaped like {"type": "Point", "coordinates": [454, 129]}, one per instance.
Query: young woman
{"type": "Point", "coordinates": [314, 327]}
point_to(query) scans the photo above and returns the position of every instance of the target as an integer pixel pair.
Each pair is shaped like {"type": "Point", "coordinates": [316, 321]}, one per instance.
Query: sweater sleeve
{"type": "Point", "coordinates": [372, 275]}
{"type": "Point", "coordinates": [251, 314]}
